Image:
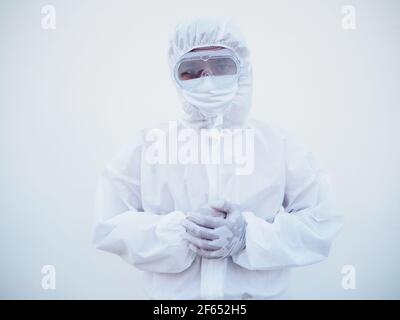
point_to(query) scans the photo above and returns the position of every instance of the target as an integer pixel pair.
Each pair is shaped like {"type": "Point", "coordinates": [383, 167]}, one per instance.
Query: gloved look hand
{"type": "Point", "coordinates": [214, 236]}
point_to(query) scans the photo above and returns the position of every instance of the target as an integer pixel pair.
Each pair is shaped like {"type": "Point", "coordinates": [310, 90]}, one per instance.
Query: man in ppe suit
{"type": "Point", "coordinates": [201, 231]}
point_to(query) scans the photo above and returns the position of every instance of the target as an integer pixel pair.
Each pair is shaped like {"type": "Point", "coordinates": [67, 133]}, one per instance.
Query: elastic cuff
{"type": "Point", "coordinates": [169, 228]}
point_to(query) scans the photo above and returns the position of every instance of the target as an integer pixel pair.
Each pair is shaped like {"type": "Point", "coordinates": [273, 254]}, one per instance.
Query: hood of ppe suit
{"type": "Point", "coordinates": [208, 32]}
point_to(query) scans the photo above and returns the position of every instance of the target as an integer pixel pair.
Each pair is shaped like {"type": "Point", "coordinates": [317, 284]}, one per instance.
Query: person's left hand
{"type": "Point", "coordinates": [216, 237]}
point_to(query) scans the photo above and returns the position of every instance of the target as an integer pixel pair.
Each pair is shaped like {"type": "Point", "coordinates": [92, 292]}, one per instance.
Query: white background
{"type": "Point", "coordinates": [71, 97]}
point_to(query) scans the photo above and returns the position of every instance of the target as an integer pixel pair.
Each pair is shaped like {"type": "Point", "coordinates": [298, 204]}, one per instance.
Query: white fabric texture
{"type": "Point", "coordinates": [287, 201]}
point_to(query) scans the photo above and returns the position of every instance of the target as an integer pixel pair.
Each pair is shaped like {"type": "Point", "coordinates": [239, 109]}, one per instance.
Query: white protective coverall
{"type": "Point", "coordinates": [287, 200]}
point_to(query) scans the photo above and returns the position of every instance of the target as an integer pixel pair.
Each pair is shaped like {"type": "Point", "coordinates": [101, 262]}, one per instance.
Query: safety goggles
{"type": "Point", "coordinates": [198, 64]}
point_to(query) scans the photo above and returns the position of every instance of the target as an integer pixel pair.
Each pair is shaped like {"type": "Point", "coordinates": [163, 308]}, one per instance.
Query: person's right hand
{"type": "Point", "coordinates": [198, 231]}
{"type": "Point", "coordinates": [214, 237]}
{"type": "Point", "coordinates": [208, 211]}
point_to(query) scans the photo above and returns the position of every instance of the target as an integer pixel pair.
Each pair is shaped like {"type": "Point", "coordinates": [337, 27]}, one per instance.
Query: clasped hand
{"type": "Point", "coordinates": [216, 231]}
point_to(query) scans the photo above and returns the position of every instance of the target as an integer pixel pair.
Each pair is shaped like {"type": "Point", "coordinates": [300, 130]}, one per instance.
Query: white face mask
{"type": "Point", "coordinates": [211, 95]}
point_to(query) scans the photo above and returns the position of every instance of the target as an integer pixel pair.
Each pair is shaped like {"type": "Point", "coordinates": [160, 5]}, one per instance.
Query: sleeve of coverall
{"type": "Point", "coordinates": [149, 241]}
{"type": "Point", "coordinates": [303, 230]}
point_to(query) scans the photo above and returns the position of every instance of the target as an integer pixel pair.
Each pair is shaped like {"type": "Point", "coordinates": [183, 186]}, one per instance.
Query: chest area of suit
{"type": "Point", "coordinates": [256, 182]}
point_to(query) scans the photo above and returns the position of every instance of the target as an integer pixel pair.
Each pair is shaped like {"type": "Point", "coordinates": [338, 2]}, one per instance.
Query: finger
{"type": "Point", "coordinates": [207, 211]}
{"type": "Point", "coordinates": [197, 250]}
{"type": "Point", "coordinates": [222, 205]}
{"type": "Point", "coordinates": [219, 214]}
{"type": "Point", "coordinates": [224, 232]}
{"type": "Point", "coordinates": [199, 243]}
{"type": "Point", "coordinates": [206, 221]}
{"type": "Point", "coordinates": [199, 231]}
